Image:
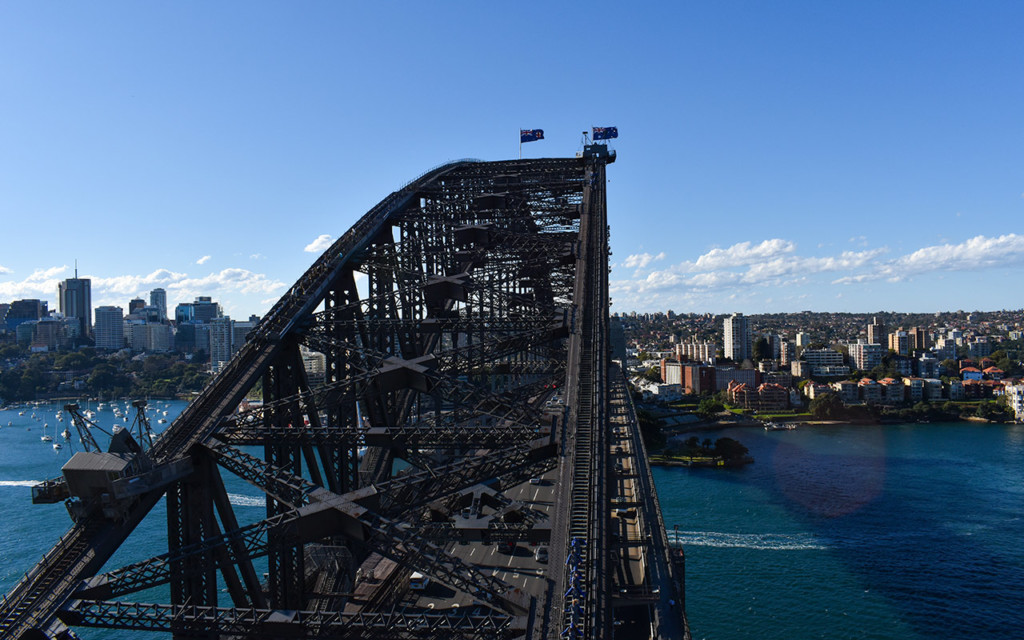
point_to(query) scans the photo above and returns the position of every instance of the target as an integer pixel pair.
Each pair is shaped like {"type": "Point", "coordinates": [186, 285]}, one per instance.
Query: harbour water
{"type": "Point", "coordinates": [895, 531]}
{"type": "Point", "coordinates": [903, 531]}
{"type": "Point", "coordinates": [27, 531]}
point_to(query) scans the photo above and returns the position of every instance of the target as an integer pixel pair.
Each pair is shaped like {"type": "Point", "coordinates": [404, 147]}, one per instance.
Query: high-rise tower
{"type": "Point", "coordinates": [75, 299]}
{"type": "Point", "coordinates": [158, 299]}
{"type": "Point", "coordinates": [876, 332]}
{"type": "Point", "coordinates": [109, 328]}
{"type": "Point", "coordinates": [737, 338]}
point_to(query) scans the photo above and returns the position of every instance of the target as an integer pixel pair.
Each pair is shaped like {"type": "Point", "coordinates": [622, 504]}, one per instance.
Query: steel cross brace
{"type": "Point", "coordinates": [474, 622]}
{"type": "Point", "coordinates": [339, 514]}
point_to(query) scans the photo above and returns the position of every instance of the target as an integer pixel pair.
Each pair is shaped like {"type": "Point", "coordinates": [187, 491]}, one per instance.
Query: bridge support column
{"type": "Point", "coordinates": [286, 579]}
{"type": "Point", "coordinates": [190, 520]}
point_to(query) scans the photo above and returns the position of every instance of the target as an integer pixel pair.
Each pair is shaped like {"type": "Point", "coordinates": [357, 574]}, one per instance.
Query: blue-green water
{"type": "Point", "coordinates": [906, 531]}
{"type": "Point", "coordinates": [913, 531]}
{"type": "Point", "coordinates": [27, 531]}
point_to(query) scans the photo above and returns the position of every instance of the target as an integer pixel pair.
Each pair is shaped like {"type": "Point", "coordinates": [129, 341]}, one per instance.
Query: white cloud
{"type": "Point", "coordinates": [257, 256]}
{"type": "Point", "coordinates": [42, 283]}
{"type": "Point", "coordinates": [979, 252]}
{"type": "Point", "coordinates": [641, 260]}
{"type": "Point", "coordinates": [740, 254]}
{"type": "Point", "coordinates": [203, 260]}
{"type": "Point", "coordinates": [734, 272]}
{"type": "Point", "coordinates": [976, 253]}
{"type": "Point", "coordinates": [129, 285]}
{"type": "Point", "coordinates": [232, 279]}
{"type": "Point", "coordinates": [320, 244]}
{"type": "Point", "coordinates": [4, 269]}
{"type": "Point", "coordinates": [779, 268]}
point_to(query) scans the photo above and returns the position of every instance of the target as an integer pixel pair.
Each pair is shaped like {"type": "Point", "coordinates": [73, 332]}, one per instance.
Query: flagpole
{"type": "Point", "coordinates": [520, 145]}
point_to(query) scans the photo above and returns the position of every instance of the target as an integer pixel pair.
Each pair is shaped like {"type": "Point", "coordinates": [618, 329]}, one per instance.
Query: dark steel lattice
{"type": "Point", "coordinates": [442, 317]}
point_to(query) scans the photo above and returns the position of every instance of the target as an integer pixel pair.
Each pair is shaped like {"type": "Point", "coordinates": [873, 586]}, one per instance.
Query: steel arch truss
{"type": "Point", "coordinates": [432, 331]}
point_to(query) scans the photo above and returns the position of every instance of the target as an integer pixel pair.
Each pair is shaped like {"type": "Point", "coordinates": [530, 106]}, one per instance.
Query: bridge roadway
{"type": "Point", "coordinates": [429, 353]}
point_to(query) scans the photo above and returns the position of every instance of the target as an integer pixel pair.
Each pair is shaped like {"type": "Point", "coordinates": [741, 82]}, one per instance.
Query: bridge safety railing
{"type": "Point", "coordinates": [40, 567]}
{"type": "Point", "coordinates": [443, 165]}
{"type": "Point", "coordinates": [647, 478]}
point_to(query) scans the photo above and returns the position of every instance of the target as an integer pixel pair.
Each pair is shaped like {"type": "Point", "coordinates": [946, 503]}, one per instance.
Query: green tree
{"type": "Point", "coordinates": [107, 381]}
{"type": "Point", "coordinates": [730, 449]}
{"type": "Point", "coordinates": [653, 374]}
{"type": "Point", "coordinates": [762, 350]}
{"type": "Point", "coordinates": [994, 411]}
{"type": "Point", "coordinates": [826, 407]}
{"type": "Point", "coordinates": [11, 350]}
{"type": "Point", "coordinates": [709, 407]}
{"type": "Point", "coordinates": [71, 361]}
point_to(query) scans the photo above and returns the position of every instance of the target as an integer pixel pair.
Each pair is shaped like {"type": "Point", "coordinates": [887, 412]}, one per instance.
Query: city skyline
{"type": "Point", "coordinates": [771, 158]}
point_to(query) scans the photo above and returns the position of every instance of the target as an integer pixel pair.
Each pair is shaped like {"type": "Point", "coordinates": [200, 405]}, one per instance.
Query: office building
{"type": "Point", "coordinates": [240, 332]}
{"type": "Point", "coordinates": [25, 332]}
{"type": "Point", "coordinates": [49, 333]}
{"type": "Point", "coordinates": [28, 310]}
{"type": "Point", "coordinates": [183, 313]}
{"type": "Point", "coordinates": [109, 328]}
{"type": "Point", "coordinates": [204, 310]}
{"type": "Point", "coordinates": [74, 296]}
{"type": "Point", "coordinates": [159, 337]}
{"type": "Point", "coordinates": [158, 299]}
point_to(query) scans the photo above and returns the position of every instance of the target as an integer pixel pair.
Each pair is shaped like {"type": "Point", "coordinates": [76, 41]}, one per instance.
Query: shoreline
{"type": "Point", "coordinates": [717, 425]}
{"type": "Point", "coordinates": [709, 463]}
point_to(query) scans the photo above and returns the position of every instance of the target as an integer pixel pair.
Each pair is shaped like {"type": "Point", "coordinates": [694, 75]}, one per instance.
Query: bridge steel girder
{"type": "Point", "coordinates": [271, 624]}
{"type": "Point", "coordinates": [439, 321]}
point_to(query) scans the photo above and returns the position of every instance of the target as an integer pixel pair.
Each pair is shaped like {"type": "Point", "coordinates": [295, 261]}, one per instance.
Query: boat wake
{"type": "Point", "coordinates": [18, 483]}
{"type": "Point", "coordinates": [240, 500]}
{"type": "Point", "coordinates": [759, 541]}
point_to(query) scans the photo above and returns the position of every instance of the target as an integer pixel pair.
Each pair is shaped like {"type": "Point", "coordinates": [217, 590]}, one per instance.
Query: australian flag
{"type": "Point", "coordinates": [531, 135]}
{"type": "Point", "coordinates": [605, 133]}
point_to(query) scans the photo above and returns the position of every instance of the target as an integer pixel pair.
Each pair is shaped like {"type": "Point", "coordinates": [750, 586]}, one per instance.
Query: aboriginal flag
{"type": "Point", "coordinates": [605, 133]}
{"type": "Point", "coordinates": [531, 135]}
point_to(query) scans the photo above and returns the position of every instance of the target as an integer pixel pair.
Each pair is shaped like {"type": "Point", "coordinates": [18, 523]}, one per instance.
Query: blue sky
{"type": "Point", "coordinates": [773, 156]}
